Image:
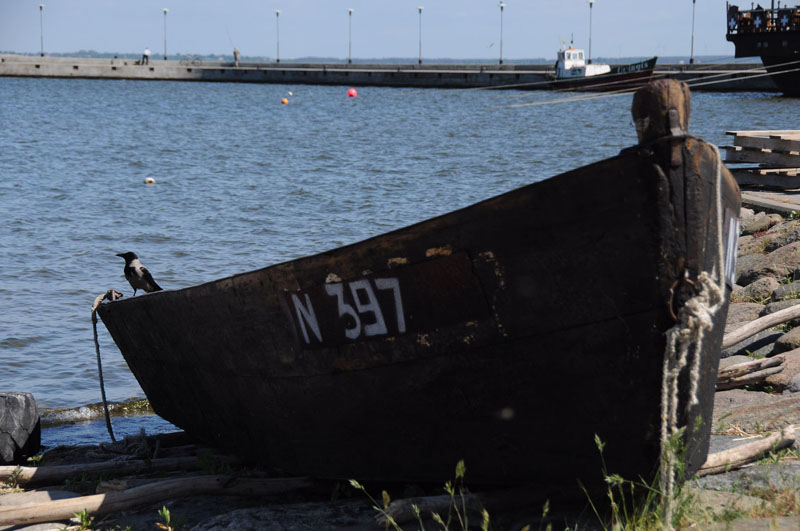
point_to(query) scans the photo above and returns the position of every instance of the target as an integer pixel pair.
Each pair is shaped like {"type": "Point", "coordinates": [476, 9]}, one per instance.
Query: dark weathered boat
{"type": "Point", "coordinates": [773, 35]}
{"type": "Point", "coordinates": [506, 333]}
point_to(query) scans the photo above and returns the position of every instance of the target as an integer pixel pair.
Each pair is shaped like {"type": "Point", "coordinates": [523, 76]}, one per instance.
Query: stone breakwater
{"type": "Point", "coordinates": [767, 280]}
{"type": "Point", "coordinates": [723, 77]}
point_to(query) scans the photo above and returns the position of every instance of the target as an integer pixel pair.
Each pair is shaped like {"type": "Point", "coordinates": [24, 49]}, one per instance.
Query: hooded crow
{"type": "Point", "coordinates": [137, 274]}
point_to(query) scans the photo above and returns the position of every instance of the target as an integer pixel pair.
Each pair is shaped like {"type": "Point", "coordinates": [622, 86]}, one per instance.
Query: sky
{"type": "Point", "coordinates": [457, 29]}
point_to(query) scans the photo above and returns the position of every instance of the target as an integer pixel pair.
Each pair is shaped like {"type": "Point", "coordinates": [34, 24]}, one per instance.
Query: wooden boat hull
{"type": "Point", "coordinates": [621, 77]}
{"type": "Point", "coordinates": [506, 334]}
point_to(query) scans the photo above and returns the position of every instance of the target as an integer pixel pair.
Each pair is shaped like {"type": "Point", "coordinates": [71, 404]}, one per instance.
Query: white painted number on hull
{"type": "Point", "coordinates": [305, 315]}
{"type": "Point", "coordinates": [394, 285]}
{"type": "Point", "coordinates": [364, 317]}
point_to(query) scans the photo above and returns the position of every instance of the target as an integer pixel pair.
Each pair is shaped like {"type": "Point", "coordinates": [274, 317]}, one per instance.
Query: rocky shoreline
{"type": "Point", "coordinates": [762, 495]}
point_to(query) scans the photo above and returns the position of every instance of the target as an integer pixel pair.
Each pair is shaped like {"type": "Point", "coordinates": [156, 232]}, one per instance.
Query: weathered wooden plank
{"type": "Point", "coordinates": [747, 453]}
{"type": "Point", "coordinates": [757, 156]}
{"type": "Point", "coordinates": [764, 132]}
{"type": "Point", "coordinates": [762, 323]}
{"type": "Point", "coordinates": [773, 143]}
{"type": "Point", "coordinates": [748, 379]}
{"type": "Point", "coordinates": [161, 491]}
{"type": "Point", "coordinates": [772, 171]}
{"type": "Point", "coordinates": [784, 179]}
{"type": "Point", "coordinates": [51, 475]}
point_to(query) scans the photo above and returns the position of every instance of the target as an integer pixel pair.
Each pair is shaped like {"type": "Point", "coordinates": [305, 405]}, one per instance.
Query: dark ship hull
{"type": "Point", "coordinates": [774, 36]}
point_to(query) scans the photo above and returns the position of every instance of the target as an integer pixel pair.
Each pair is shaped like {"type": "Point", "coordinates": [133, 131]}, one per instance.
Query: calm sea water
{"type": "Point", "coordinates": [243, 182]}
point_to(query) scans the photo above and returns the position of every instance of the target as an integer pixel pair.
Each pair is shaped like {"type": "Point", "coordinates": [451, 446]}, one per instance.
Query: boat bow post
{"type": "Point", "coordinates": [661, 111]}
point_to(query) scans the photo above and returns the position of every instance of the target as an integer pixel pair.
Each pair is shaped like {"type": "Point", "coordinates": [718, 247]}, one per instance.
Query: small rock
{"type": "Point", "coordinates": [737, 294]}
{"type": "Point", "coordinates": [757, 223]}
{"type": "Point", "coordinates": [742, 312]}
{"type": "Point", "coordinates": [781, 235]}
{"type": "Point", "coordinates": [754, 411]}
{"type": "Point", "coordinates": [775, 219]}
{"type": "Point", "coordinates": [791, 368]}
{"type": "Point", "coordinates": [744, 264]}
{"type": "Point", "coordinates": [20, 429]}
{"type": "Point", "coordinates": [759, 345]}
{"type": "Point", "coordinates": [773, 307]}
{"type": "Point", "coordinates": [721, 502]}
{"type": "Point", "coordinates": [788, 341]}
{"type": "Point", "coordinates": [777, 476]}
{"type": "Point", "coordinates": [777, 264]}
{"type": "Point", "coordinates": [785, 291]}
{"type": "Point", "coordinates": [761, 289]}
{"type": "Point", "coordinates": [750, 244]}
{"type": "Point", "coordinates": [794, 384]}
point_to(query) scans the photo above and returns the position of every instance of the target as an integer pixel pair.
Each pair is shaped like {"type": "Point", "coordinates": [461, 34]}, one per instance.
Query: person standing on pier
{"type": "Point", "coordinates": [236, 57]}
{"type": "Point", "coordinates": [146, 56]}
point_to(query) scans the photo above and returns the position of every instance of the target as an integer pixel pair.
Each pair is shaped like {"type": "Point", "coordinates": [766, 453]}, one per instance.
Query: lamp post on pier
{"type": "Point", "coordinates": [165, 10]}
{"type": "Point", "coordinates": [420, 34]}
{"type": "Point", "coordinates": [41, 27]}
{"type": "Point", "coordinates": [591, 3]}
{"type": "Point", "coordinates": [350, 36]}
{"type": "Point", "coordinates": [502, 6]}
{"type": "Point", "coordinates": [691, 54]}
{"type": "Point", "coordinates": [277, 36]}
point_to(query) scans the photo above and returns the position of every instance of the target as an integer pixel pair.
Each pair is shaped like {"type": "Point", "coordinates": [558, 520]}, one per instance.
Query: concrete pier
{"type": "Point", "coordinates": [730, 77]}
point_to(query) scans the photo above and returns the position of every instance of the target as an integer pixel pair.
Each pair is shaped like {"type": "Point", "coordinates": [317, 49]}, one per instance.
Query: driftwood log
{"type": "Point", "coordinates": [762, 323]}
{"type": "Point", "coordinates": [51, 475]}
{"type": "Point", "coordinates": [720, 462]}
{"type": "Point", "coordinates": [748, 373]}
{"type": "Point", "coordinates": [110, 502]}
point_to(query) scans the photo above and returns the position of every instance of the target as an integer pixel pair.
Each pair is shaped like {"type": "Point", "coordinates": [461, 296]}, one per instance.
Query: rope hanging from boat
{"type": "Point", "coordinates": [110, 295]}
{"type": "Point", "coordinates": [683, 348]}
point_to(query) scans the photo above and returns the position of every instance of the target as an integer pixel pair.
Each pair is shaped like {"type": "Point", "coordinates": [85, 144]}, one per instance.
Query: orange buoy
{"type": "Point", "coordinates": [285, 101]}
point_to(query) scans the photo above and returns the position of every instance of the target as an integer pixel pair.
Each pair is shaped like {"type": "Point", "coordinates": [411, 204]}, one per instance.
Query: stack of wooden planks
{"type": "Point", "coordinates": [775, 154]}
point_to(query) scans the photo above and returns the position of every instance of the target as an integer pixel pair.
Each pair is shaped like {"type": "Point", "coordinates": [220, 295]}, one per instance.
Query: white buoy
{"type": "Point", "coordinates": [290, 93]}
{"type": "Point", "coordinates": [149, 180]}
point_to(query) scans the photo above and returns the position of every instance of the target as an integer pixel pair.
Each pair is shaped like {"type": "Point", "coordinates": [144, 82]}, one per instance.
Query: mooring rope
{"type": "Point", "coordinates": [684, 347]}
{"type": "Point", "coordinates": [110, 295]}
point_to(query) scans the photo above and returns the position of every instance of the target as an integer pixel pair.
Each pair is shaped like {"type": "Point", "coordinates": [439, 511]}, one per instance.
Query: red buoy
{"type": "Point", "coordinates": [352, 93]}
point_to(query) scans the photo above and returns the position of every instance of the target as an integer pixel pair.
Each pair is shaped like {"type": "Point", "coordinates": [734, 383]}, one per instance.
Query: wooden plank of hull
{"type": "Point", "coordinates": [542, 332]}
